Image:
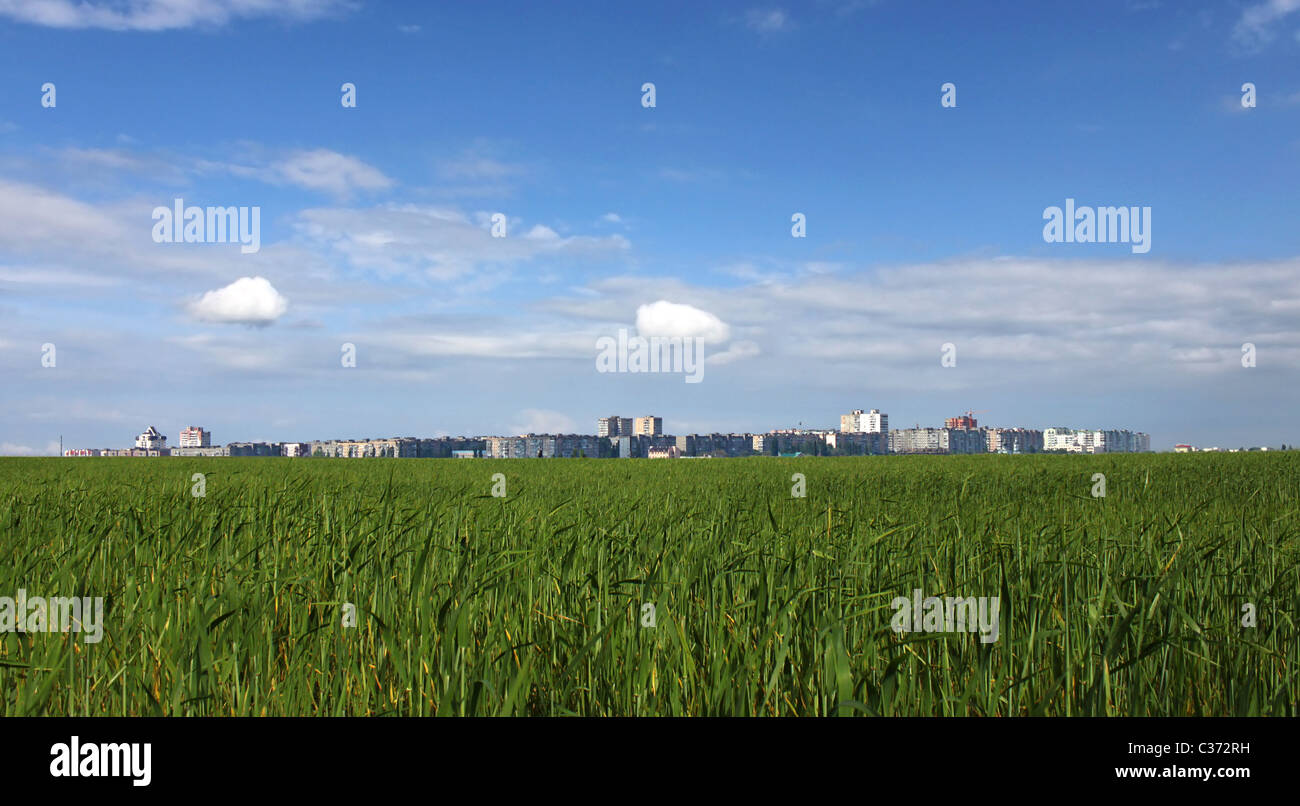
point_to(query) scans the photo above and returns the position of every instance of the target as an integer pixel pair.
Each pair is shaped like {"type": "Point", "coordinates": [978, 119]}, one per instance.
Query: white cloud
{"type": "Point", "coordinates": [541, 421]}
{"type": "Point", "coordinates": [331, 172]}
{"type": "Point", "coordinates": [1255, 27]}
{"type": "Point", "coordinates": [612, 218]}
{"type": "Point", "coordinates": [162, 15]}
{"type": "Point", "coordinates": [671, 319]}
{"type": "Point", "coordinates": [736, 351]}
{"type": "Point", "coordinates": [248, 300]}
{"type": "Point", "coordinates": [14, 449]}
{"type": "Point", "coordinates": [50, 276]}
{"type": "Point", "coordinates": [543, 233]}
{"type": "Point", "coordinates": [35, 217]}
{"type": "Point", "coordinates": [409, 29]}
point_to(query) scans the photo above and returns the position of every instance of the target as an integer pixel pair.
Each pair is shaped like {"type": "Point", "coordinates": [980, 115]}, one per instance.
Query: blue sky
{"type": "Point", "coordinates": [924, 223]}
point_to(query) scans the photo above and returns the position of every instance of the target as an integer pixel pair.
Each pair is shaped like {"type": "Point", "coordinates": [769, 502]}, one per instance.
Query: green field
{"type": "Point", "coordinates": [231, 604]}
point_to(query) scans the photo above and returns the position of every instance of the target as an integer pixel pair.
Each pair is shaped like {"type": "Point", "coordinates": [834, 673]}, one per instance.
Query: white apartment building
{"type": "Point", "coordinates": [1058, 439]}
{"type": "Point", "coordinates": [1095, 440]}
{"type": "Point", "coordinates": [151, 440]}
{"type": "Point", "coordinates": [864, 422]}
{"type": "Point", "coordinates": [877, 423]}
{"type": "Point", "coordinates": [918, 440]}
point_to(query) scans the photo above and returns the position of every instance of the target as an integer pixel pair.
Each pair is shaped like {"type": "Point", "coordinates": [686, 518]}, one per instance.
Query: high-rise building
{"type": "Point", "coordinates": [607, 427]}
{"type": "Point", "coordinates": [648, 426]}
{"type": "Point", "coordinates": [196, 437]}
{"type": "Point", "coordinates": [864, 422]}
{"type": "Point", "coordinates": [851, 423]}
{"type": "Point", "coordinates": [877, 423]}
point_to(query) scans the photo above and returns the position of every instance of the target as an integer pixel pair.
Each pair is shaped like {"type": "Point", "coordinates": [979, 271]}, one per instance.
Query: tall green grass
{"type": "Point", "coordinates": [765, 604]}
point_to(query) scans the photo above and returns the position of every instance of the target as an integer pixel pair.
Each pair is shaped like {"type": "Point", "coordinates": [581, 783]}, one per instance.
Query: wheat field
{"type": "Point", "coordinates": [762, 603]}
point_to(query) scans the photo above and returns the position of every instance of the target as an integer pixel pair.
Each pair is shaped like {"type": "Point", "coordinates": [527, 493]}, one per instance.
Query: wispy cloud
{"type": "Point", "coordinates": [1256, 27]}
{"type": "Point", "coordinates": [767, 20]}
{"type": "Point", "coordinates": [331, 172]}
{"type": "Point", "coordinates": [163, 15]}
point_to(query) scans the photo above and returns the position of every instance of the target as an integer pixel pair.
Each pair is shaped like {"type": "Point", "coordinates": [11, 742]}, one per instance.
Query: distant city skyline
{"type": "Point", "coordinates": [857, 421]}
{"type": "Point", "coordinates": [860, 433]}
{"type": "Point", "coordinates": [456, 212]}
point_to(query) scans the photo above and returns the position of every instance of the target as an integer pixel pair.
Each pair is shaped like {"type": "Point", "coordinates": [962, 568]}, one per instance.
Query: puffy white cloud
{"type": "Point", "coordinates": [248, 300]}
{"type": "Point", "coordinates": [671, 319]}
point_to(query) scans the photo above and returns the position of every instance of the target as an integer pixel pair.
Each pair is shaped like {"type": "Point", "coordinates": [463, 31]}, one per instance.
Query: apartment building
{"type": "Point", "coordinates": [151, 440]}
{"type": "Point", "coordinates": [864, 422]}
{"type": "Point", "coordinates": [253, 449]}
{"type": "Point", "coordinates": [857, 443]}
{"type": "Point", "coordinates": [1013, 440]}
{"type": "Point", "coordinates": [648, 426]}
{"type": "Point", "coordinates": [548, 446]}
{"type": "Point", "coordinates": [963, 440]}
{"type": "Point", "coordinates": [210, 450]}
{"type": "Point", "coordinates": [195, 437]}
{"type": "Point", "coordinates": [918, 440]}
